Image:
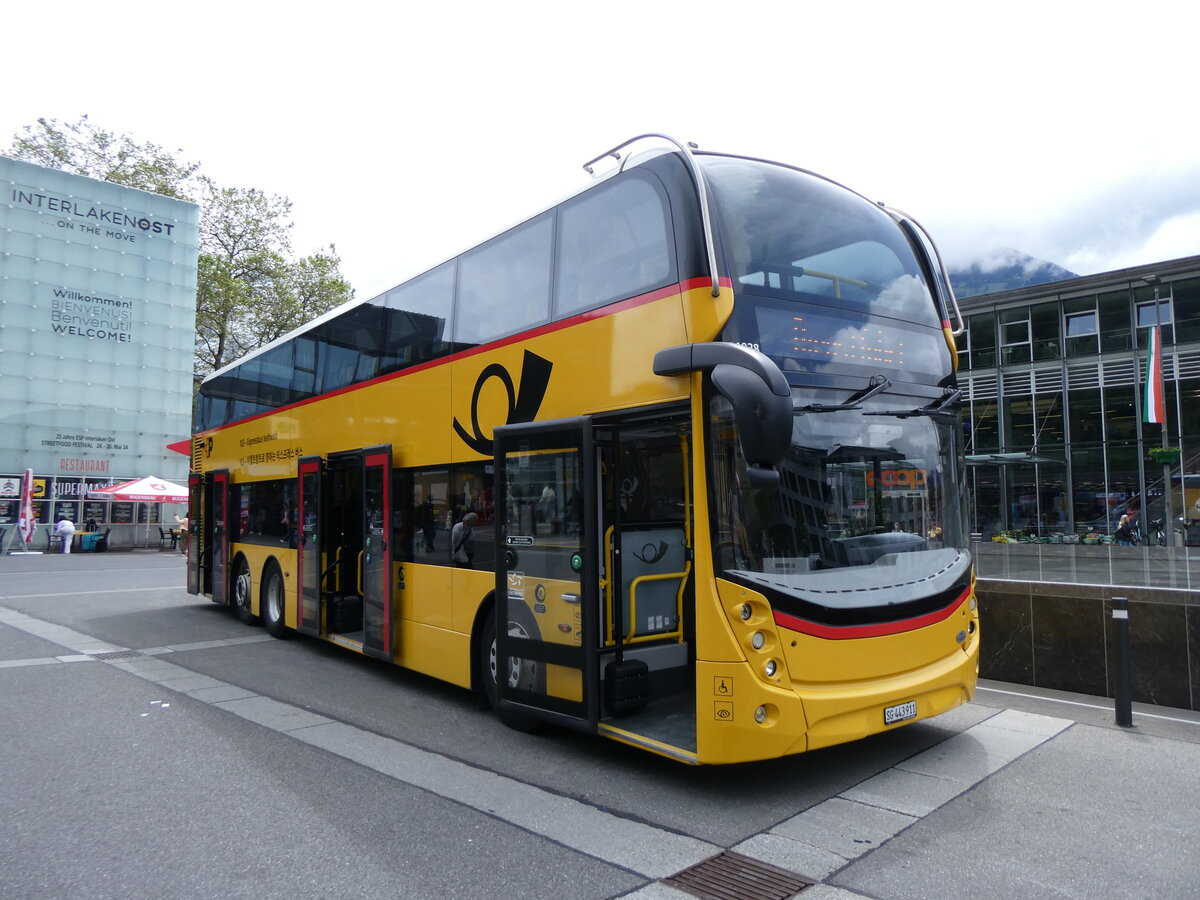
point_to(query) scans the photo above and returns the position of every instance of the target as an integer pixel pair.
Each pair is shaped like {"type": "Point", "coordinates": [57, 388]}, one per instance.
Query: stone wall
{"type": "Point", "coordinates": [1061, 636]}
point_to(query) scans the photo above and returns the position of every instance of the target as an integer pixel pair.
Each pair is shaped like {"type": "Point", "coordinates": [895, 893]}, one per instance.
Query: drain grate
{"type": "Point", "coordinates": [731, 876]}
{"type": "Point", "coordinates": [117, 654]}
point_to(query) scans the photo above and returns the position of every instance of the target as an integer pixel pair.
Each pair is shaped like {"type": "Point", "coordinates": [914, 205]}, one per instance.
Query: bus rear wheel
{"type": "Point", "coordinates": [242, 588]}
{"type": "Point", "coordinates": [271, 602]}
{"type": "Point", "coordinates": [518, 673]}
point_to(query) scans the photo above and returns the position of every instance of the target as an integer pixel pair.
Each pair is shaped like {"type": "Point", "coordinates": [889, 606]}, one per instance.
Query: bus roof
{"type": "Point", "coordinates": [597, 178]}
{"type": "Point", "coordinates": [619, 164]}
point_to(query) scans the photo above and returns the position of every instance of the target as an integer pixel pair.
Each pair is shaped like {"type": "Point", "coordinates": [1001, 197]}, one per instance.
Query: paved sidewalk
{"type": "Point", "coordinates": [1023, 793]}
{"type": "Point", "coordinates": [1046, 797]}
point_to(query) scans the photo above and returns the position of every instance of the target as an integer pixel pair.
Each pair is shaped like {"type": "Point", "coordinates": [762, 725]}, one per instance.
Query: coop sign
{"type": "Point", "coordinates": [898, 478]}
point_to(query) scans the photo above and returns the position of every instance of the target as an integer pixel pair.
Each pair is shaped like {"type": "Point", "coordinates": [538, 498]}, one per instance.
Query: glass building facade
{"type": "Point", "coordinates": [1054, 380]}
{"type": "Point", "coordinates": [97, 331]}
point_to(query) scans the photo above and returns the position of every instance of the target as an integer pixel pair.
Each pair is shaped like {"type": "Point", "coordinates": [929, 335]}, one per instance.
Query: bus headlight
{"type": "Point", "coordinates": [760, 715]}
{"type": "Point", "coordinates": [769, 668]}
{"type": "Point", "coordinates": [746, 611]}
{"type": "Point", "coordinates": [757, 640]}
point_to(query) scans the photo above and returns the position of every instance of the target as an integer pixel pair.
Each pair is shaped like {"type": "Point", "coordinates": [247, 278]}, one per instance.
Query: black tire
{"type": "Point", "coordinates": [521, 674]}
{"type": "Point", "coordinates": [271, 601]}
{"type": "Point", "coordinates": [240, 596]}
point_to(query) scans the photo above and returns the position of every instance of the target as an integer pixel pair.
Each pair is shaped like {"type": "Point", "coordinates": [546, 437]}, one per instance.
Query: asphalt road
{"type": "Point", "coordinates": [153, 746]}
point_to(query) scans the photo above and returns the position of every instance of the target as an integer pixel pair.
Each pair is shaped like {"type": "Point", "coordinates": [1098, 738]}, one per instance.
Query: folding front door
{"type": "Point", "coordinates": [546, 578]}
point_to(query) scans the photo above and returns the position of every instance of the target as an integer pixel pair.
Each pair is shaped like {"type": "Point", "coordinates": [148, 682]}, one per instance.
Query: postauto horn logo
{"type": "Point", "coordinates": [523, 402]}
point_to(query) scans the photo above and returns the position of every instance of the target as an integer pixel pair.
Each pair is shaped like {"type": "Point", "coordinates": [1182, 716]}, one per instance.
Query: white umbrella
{"type": "Point", "coordinates": [149, 489]}
{"type": "Point", "coordinates": [142, 490]}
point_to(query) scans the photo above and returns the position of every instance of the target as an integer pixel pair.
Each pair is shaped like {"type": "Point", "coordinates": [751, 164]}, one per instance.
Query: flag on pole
{"type": "Point", "coordinates": [25, 523]}
{"type": "Point", "coordinates": [1155, 407]}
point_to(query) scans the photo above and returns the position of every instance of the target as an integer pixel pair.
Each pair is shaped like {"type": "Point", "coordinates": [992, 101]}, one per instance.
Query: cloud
{"type": "Point", "coordinates": [1138, 218]}
{"type": "Point", "coordinates": [1002, 258]}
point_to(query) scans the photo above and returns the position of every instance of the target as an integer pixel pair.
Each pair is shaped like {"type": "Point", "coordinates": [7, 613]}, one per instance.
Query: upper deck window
{"type": "Point", "coordinates": [791, 235]}
{"type": "Point", "coordinates": [504, 286]}
{"type": "Point", "coordinates": [613, 243]}
{"type": "Point", "coordinates": [419, 319]}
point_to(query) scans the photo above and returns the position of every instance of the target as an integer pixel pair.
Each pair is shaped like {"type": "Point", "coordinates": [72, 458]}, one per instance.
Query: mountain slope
{"type": "Point", "coordinates": [1007, 270]}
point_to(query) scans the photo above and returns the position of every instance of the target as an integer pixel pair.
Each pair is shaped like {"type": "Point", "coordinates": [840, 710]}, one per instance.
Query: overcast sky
{"type": "Point", "coordinates": [1065, 130]}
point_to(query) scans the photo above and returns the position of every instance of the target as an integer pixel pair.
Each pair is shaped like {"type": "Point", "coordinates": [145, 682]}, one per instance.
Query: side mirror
{"type": "Point", "coordinates": [764, 419]}
{"type": "Point", "coordinates": [758, 392]}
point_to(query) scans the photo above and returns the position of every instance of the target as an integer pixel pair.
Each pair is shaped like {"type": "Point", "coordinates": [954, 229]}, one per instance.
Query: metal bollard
{"type": "Point", "coordinates": [1123, 688]}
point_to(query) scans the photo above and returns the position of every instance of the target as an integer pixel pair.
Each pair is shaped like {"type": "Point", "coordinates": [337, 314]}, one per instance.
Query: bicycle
{"type": "Point", "coordinates": [1156, 536]}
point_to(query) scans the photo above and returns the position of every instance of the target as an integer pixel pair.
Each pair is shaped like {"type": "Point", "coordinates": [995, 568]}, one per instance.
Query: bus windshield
{"type": "Point", "coordinates": [868, 504]}
{"type": "Point", "coordinates": [825, 280]}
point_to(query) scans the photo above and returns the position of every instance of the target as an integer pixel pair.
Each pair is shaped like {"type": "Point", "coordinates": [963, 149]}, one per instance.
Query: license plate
{"type": "Point", "coordinates": [901, 712]}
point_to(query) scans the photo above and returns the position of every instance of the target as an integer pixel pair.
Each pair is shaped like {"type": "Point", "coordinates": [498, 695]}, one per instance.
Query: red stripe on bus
{"type": "Point", "coordinates": [549, 328]}
{"type": "Point", "coordinates": [880, 629]}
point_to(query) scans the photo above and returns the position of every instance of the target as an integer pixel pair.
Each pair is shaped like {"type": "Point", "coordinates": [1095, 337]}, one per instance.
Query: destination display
{"type": "Point", "coordinates": [806, 338]}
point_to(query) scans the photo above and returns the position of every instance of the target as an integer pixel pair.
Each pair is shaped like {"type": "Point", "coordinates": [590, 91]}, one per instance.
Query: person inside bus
{"type": "Point", "coordinates": [546, 506]}
{"type": "Point", "coordinates": [462, 541]}
{"type": "Point", "coordinates": [288, 520]}
{"type": "Point", "coordinates": [428, 523]}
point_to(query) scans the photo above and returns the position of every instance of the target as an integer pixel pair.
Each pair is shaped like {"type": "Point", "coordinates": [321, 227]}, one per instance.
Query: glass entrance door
{"type": "Point", "coordinates": [546, 574]}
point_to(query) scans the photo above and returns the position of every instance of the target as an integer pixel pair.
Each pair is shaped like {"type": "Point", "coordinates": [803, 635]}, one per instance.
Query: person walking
{"type": "Point", "coordinates": [1124, 533]}
{"type": "Point", "coordinates": [462, 541]}
{"type": "Point", "coordinates": [182, 543]}
{"type": "Point", "coordinates": [65, 529]}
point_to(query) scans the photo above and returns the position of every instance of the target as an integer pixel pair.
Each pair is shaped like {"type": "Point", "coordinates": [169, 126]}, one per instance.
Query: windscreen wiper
{"type": "Point", "coordinates": [877, 385]}
{"type": "Point", "coordinates": [935, 410]}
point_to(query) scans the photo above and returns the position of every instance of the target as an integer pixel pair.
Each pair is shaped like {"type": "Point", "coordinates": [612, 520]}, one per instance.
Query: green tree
{"type": "Point", "coordinates": [82, 148]}
{"type": "Point", "coordinates": [250, 288]}
{"type": "Point", "coordinates": [311, 284]}
{"type": "Point", "coordinates": [245, 239]}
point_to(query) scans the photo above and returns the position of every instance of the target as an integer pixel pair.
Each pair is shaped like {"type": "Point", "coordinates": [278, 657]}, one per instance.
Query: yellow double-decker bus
{"type": "Point", "coordinates": [691, 435]}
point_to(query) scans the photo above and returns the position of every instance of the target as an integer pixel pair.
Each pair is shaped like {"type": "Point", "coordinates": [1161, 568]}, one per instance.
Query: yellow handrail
{"type": "Point", "coordinates": [633, 637]}
{"type": "Point", "coordinates": [687, 490]}
{"type": "Point", "coordinates": [606, 581]}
